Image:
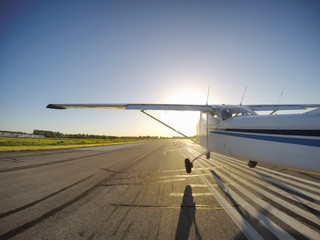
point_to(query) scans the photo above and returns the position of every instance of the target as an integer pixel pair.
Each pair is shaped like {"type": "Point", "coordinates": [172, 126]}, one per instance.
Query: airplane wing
{"type": "Point", "coordinates": [181, 107]}
{"type": "Point", "coordinates": [165, 107]}
{"type": "Point", "coordinates": [282, 107]}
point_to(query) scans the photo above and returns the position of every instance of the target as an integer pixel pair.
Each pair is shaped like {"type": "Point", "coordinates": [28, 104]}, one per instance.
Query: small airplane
{"type": "Point", "coordinates": [290, 140]}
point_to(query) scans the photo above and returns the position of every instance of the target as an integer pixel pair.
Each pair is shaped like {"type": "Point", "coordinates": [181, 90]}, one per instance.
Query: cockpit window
{"type": "Point", "coordinates": [211, 117]}
{"type": "Point", "coordinates": [226, 113]}
{"type": "Point", "coordinates": [235, 112]}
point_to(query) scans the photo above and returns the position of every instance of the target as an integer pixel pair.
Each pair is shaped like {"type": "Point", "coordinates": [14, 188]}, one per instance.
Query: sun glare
{"type": "Point", "coordinates": [184, 122]}
{"type": "Point", "coordinates": [187, 96]}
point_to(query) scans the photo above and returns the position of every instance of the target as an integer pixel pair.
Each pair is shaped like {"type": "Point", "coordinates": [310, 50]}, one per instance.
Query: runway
{"type": "Point", "coordinates": [141, 191]}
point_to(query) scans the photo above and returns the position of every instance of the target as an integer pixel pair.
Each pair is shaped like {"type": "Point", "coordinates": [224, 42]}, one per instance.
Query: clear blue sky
{"type": "Point", "coordinates": [151, 52]}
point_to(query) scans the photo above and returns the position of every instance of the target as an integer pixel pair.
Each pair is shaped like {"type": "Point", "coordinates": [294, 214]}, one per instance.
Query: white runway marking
{"type": "Point", "coordinates": [255, 172]}
{"type": "Point", "coordinates": [269, 208]}
{"type": "Point", "coordinates": [173, 180]}
{"type": "Point", "coordinates": [274, 173]}
{"type": "Point", "coordinates": [109, 147]}
{"type": "Point", "coordinates": [241, 222]}
{"type": "Point", "coordinates": [193, 194]}
{"type": "Point", "coordinates": [275, 198]}
{"type": "Point", "coordinates": [274, 228]}
{"type": "Point", "coordinates": [250, 172]}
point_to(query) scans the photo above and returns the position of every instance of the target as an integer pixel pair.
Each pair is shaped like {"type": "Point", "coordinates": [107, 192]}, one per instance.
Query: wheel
{"type": "Point", "coordinates": [188, 165]}
{"type": "Point", "coordinates": [207, 155]}
{"type": "Point", "coordinates": [252, 164]}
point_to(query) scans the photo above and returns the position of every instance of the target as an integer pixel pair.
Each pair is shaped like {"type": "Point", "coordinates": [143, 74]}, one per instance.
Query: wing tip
{"type": "Point", "coordinates": [54, 106]}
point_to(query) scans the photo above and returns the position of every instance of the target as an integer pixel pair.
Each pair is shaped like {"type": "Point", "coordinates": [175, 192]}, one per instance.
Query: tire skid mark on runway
{"type": "Point", "coordinates": [109, 170]}
{"type": "Point", "coordinates": [48, 214]}
{"type": "Point", "coordinates": [153, 226]}
{"type": "Point", "coordinates": [121, 222]}
{"type": "Point", "coordinates": [130, 206]}
{"type": "Point", "coordinates": [235, 169]}
{"type": "Point", "coordinates": [160, 189]}
{"type": "Point", "coordinates": [61, 161]}
{"type": "Point", "coordinates": [124, 217]}
{"type": "Point", "coordinates": [49, 163]}
{"type": "Point", "coordinates": [41, 153]}
{"type": "Point", "coordinates": [5, 214]}
{"type": "Point", "coordinates": [13, 160]}
{"type": "Point", "coordinates": [129, 173]}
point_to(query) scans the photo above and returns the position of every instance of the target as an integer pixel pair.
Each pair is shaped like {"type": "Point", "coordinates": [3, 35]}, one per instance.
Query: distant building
{"type": "Point", "coordinates": [19, 134]}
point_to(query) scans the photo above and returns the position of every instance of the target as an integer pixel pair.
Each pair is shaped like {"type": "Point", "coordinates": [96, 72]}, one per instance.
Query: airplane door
{"type": "Point", "coordinates": [213, 121]}
{"type": "Point", "coordinates": [208, 122]}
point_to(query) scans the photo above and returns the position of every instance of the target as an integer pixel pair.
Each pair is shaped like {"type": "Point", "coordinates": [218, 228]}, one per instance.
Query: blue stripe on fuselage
{"type": "Point", "coordinates": [291, 140]}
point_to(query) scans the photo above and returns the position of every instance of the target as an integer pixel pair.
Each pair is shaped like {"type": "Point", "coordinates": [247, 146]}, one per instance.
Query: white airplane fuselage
{"type": "Point", "coordinates": [288, 140]}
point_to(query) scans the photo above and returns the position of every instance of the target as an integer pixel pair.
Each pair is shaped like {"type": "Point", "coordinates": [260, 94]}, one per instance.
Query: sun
{"type": "Point", "coordinates": [187, 96]}
{"type": "Point", "coordinates": [184, 122]}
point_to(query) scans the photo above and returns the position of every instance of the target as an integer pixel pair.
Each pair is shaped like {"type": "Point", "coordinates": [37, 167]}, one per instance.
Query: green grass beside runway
{"type": "Point", "coordinates": [29, 144]}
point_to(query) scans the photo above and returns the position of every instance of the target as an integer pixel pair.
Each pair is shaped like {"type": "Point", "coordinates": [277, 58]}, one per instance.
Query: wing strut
{"type": "Point", "coordinates": [143, 111]}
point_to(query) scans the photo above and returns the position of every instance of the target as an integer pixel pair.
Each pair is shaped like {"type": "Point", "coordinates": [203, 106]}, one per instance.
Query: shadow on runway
{"type": "Point", "coordinates": [187, 216]}
{"type": "Point", "coordinates": [260, 222]}
{"type": "Point", "coordinates": [285, 187]}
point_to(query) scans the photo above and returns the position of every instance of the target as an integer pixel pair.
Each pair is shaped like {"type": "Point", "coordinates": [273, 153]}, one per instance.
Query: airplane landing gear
{"type": "Point", "coordinates": [252, 164]}
{"type": "Point", "coordinates": [188, 165]}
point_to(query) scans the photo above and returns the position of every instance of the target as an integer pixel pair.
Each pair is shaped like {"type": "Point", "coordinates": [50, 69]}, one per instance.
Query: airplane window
{"type": "Point", "coordinates": [212, 118]}
{"type": "Point", "coordinates": [215, 116]}
{"type": "Point", "coordinates": [203, 117]}
{"type": "Point", "coordinates": [235, 112]}
{"type": "Point", "coordinates": [226, 113]}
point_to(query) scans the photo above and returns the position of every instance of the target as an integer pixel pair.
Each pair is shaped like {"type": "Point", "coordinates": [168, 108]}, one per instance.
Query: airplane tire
{"type": "Point", "coordinates": [207, 155]}
{"type": "Point", "coordinates": [188, 165]}
{"type": "Point", "coordinates": [252, 164]}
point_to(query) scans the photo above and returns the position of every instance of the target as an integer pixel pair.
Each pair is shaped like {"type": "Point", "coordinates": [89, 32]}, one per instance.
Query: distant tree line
{"type": "Point", "coordinates": [47, 133]}
{"type": "Point", "coordinates": [51, 134]}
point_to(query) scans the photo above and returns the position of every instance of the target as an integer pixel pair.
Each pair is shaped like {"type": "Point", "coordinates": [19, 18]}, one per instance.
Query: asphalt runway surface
{"type": "Point", "coordinates": [141, 191]}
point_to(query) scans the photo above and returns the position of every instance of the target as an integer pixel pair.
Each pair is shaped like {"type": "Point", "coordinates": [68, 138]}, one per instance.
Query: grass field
{"type": "Point", "coordinates": [29, 144]}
